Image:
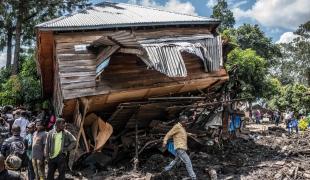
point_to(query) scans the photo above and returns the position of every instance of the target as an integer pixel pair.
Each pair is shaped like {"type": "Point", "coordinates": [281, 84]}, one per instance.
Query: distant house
{"type": "Point", "coordinates": [113, 53]}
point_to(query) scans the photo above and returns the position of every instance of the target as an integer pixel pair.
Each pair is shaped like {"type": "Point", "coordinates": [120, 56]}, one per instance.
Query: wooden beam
{"type": "Point", "coordinates": [131, 51]}
{"type": "Point", "coordinates": [85, 102]}
{"type": "Point", "coordinates": [106, 52]}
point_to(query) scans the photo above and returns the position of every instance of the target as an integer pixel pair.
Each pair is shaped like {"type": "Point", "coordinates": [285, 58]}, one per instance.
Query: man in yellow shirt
{"type": "Point", "coordinates": [179, 135]}
{"type": "Point", "coordinates": [58, 143]}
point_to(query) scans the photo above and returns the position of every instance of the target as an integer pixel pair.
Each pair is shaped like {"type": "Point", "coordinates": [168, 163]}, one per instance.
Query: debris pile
{"type": "Point", "coordinates": [271, 156]}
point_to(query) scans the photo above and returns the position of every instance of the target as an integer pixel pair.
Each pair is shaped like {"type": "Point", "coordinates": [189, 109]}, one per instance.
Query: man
{"type": "Point", "coordinates": [58, 143]}
{"type": "Point", "coordinates": [39, 139]}
{"type": "Point", "coordinates": [4, 130]}
{"type": "Point", "coordinates": [28, 143]}
{"type": "Point", "coordinates": [14, 145]}
{"type": "Point", "coordinates": [257, 116]}
{"type": "Point", "coordinates": [179, 135]}
{"type": "Point", "coordinates": [8, 113]}
{"type": "Point", "coordinates": [293, 124]}
{"type": "Point", "coordinates": [13, 148]}
{"type": "Point", "coordinates": [7, 174]}
{"type": "Point", "coordinates": [276, 117]}
{"type": "Point", "coordinates": [22, 122]}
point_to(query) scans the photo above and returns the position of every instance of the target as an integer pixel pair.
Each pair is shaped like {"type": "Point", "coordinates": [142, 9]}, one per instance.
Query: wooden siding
{"type": "Point", "coordinates": [125, 79]}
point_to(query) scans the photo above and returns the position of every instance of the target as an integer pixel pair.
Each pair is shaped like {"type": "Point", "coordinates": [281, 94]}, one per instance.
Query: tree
{"type": "Point", "coordinates": [251, 36]}
{"type": "Point", "coordinates": [6, 30]}
{"type": "Point", "coordinates": [247, 72]}
{"type": "Point", "coordinates": [294, 65]}
{"type": "Point", "coordinates": [221, 11]}
{"type": "Point", "coordinates": [24, 88]}
{"type": "Point", "coordinates": [25, 14]}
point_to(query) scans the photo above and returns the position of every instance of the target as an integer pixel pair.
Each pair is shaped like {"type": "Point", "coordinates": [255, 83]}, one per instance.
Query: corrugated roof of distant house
{"type": "Point", "coordinates": [113, 15]}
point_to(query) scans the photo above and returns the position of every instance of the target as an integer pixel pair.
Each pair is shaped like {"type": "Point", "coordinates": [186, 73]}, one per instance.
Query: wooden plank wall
{"type": "Point", "coordinates": [126, 76]}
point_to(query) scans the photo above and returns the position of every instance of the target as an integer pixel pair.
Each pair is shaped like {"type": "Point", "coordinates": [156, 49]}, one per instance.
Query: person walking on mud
{"type": "Point", "coordinates": [179, 135]}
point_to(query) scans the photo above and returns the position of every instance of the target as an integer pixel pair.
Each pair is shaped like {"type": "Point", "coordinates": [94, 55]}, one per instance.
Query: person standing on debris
{"type": "Point", "coordinates": [7, 174]}
{"type": "Point", "coordinates": [276, 117]}
{"type": "Point", "coordinates": [293, 124]}
{"type": "Point", "coordinates": [22, 122]}
{"type": "Point", "coordinates": [58, 143]}
{"type": "Point", "coordinates": [39, 140]}
{"type": "Point", "coordinates": [4, 130]}
{"type": "Point", "coordinates": [257, 116]}
{"type": "Point", "coordinates": [28, 143]}
{"type": "Point", "coordinates": [179, 135]}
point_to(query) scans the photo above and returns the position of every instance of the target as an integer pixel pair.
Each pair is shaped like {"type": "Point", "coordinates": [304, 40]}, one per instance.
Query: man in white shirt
{"type": "Point", "coordinates": [22, 122]}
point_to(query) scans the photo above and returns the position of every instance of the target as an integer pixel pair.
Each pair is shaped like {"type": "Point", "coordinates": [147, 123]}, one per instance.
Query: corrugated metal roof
{"type": "Point", "coordinates": [112, 15]}
{"type": "Point", "coordinates": [166, 57]}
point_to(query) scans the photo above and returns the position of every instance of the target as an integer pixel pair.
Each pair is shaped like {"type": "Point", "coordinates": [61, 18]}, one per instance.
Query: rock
{"type": "Point", "coordinates": [280, 163]}
{"type": "Point", "coordinates": [278, 176]}
{"type": "Point", "coordinates": [212, 174]}
{"type": "Point", "coordinates": [306, 175]}
{"type": "Point", "coordinates": [148, 176]}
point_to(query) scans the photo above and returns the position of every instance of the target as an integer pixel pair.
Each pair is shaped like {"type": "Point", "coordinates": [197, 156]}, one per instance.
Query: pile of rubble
{"type": "Point", "coordinates": [266, 154]}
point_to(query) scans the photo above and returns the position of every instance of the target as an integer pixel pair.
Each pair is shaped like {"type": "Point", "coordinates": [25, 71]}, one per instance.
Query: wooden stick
{"type": "Point", "coordinates": [86, 103]}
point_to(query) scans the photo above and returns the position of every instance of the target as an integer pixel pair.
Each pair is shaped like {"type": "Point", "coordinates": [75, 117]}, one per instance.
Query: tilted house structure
{"type": "Point", "coordinates": [113, 53]}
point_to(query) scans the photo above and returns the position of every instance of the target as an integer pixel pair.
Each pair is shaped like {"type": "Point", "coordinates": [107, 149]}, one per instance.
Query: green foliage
{"type": "Point", "coordinates": [11, 91]}
{"type": "Point", "coordinates": [23, 88]}
{"type": "Point", "coordinates": [250, 71]}
{"type": "Point", "coordinates": [31, 90]}
{"type": "Point", "coordinates": [29, 13]}
{"type": "Point", "coordinates": [221, 11]}
{"type": "Point", "coordinates": [252, 37]}
{"type": "Point", "coordinates": [294, 65]}
{"type": "Point", "coordinates": [291, 96]}
{"type": "Point", "coordinates": [4, 74]}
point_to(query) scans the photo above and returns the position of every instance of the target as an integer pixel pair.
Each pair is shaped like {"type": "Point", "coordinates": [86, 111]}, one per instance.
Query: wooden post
{"type": "Point", "coordinates": [85, 102]}
{"type": "Point", "coordinates": [136, 160]}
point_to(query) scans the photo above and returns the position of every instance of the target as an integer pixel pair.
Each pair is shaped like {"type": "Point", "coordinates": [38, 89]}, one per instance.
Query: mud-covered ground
{"type": "Point", "coordinates": [259, 152]}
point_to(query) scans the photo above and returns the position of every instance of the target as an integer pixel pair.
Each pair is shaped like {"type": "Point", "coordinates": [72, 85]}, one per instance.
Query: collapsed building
{"type": "Point", "coordinates": [113, 68]}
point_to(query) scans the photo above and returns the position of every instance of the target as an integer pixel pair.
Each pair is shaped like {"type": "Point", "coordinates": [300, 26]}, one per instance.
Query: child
{"type": "Point", "coordinates": [39, 138]}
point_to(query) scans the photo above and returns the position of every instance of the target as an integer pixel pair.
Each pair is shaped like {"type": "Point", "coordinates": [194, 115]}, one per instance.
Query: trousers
{"type": "Point", "coordinates": [181, 155]}
{"type": "Point", "coordinates": [58, 163]}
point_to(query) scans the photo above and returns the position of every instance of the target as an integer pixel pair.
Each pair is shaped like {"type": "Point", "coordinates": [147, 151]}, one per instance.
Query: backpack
{"type": "Point", "coordinates": [17, 148]}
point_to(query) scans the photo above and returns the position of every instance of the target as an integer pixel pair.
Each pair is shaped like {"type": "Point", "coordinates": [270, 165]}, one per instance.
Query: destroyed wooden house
{"type": "Point", "coordinates": [110, 58]}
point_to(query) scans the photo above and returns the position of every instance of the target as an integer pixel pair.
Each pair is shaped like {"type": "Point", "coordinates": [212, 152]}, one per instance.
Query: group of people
{"type": "Point", "coordinates": [290, 118]}
{"type": "Point", "coordinates": [28, 141]}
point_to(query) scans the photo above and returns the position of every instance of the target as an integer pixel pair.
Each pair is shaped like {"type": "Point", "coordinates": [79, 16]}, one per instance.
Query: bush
{"type": "Point", "coordinates": [21, 89]}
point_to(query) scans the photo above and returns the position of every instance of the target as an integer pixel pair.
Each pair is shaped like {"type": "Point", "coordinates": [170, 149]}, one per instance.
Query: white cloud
{"type": "Point", "coordinates": [170, 5]}
{"type": "Point", "coordinates": [287, 37]}
{"type": "Point", "coordinates": [211, 3]}
{"type": "Point", "coordinates": [277, 13]}
{"type": "Point", "coordinates": [238, 4]}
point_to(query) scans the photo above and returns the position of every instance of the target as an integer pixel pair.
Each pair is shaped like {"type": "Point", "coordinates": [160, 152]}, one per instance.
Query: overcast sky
{"type": "Point", "coordinates": [277, 18]}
